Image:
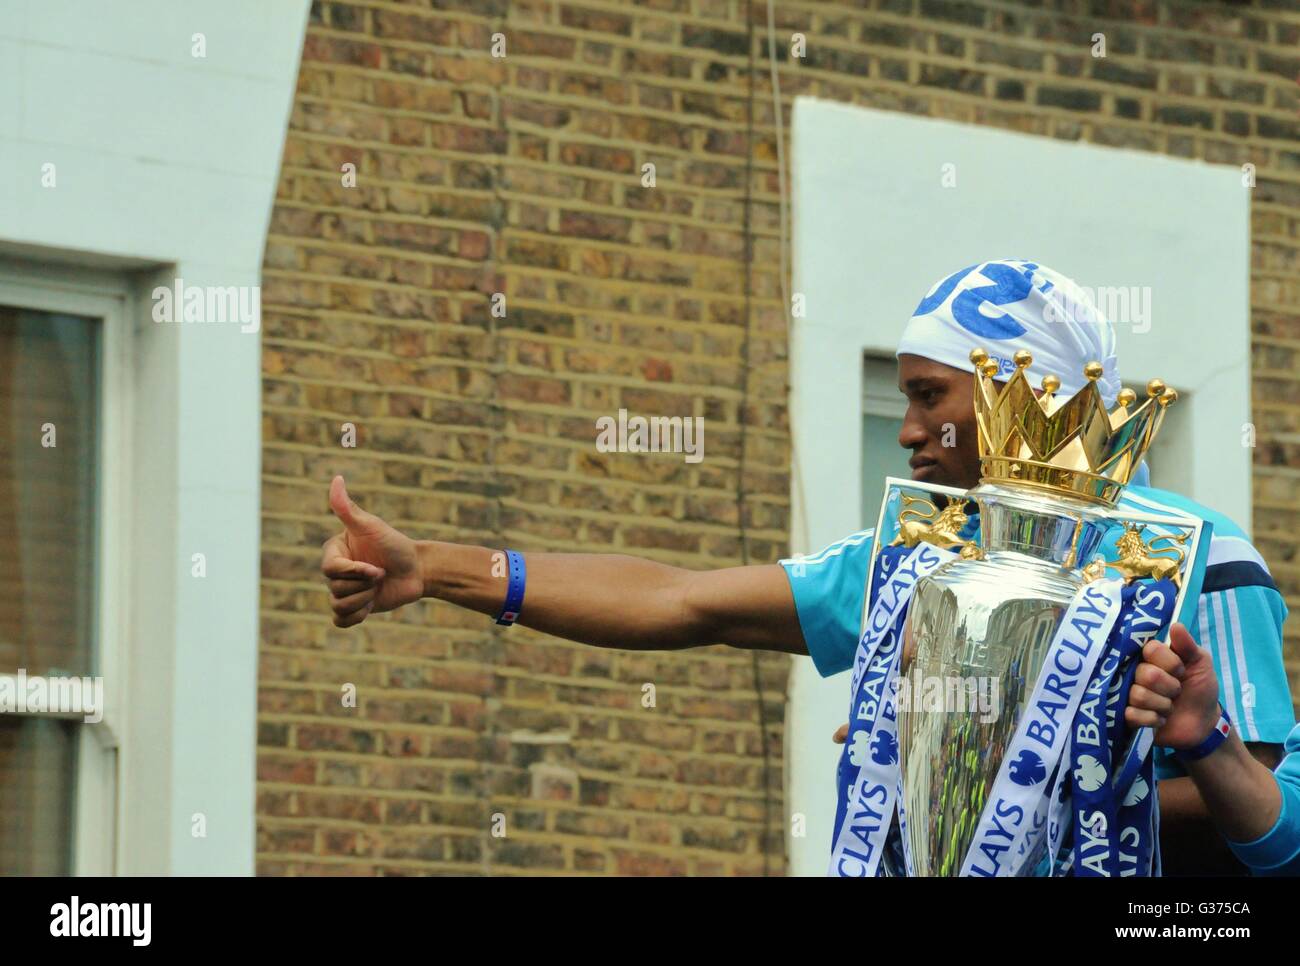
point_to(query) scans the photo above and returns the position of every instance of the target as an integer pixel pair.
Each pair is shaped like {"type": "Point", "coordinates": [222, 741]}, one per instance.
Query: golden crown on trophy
{"type": "Point", "coordinates": [1072, 446]}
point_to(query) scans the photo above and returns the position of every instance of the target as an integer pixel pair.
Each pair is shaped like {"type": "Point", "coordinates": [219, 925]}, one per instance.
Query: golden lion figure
{"type": "Point", "coordinates": [936, 527]}
{"type": "Point", "coordinates": [1136, 557]}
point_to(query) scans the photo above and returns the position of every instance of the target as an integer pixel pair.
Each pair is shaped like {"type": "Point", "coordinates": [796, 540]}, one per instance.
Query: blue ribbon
{"type": "Point", "coordinates": [1113, 778]}
{"type": "Point", "coordinates": [872, 698]}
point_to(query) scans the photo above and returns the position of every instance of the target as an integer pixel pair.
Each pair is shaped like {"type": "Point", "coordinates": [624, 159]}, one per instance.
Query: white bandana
{"type": "Point", "coordinates": [1007, 305]}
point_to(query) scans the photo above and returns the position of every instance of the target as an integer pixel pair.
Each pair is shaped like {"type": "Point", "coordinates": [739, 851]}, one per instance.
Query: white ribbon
{"type": "Point", "coordinates": [1042, 733]}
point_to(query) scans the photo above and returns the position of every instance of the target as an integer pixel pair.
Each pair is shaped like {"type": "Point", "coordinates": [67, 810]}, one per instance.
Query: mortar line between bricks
{"type": "Point", "coordinates": [556, 275]}
{"type": "Point", "coordinates": [993, 70]}
{"type": "Point", "coordinates": [675, 756]}
{"type": "Point", "coordinates": [691, 482]}
{"type": "Point", "coordinates": [550, 807]}
{"type": "Point", "coordinates": [922, 57]}
{"type": "Point", "coordinates": [768, 501]}
{"type": "Point", "coordinates": [736, 792]}
{"type": "Point", "coordinates": [572, 711]}
{"type": "Point", "coordinates": [576, 378]}
{"type": "Point", "coordinates": [519, 161]}
{"type": "Point", "coordinates": [548, 837]}
{"type": "Point", "coordinates": [572, 243]}
{"type": "Point", "coordinates": [405, 8]}
{"type": "Point", "coordinates": [683, 389]}
{"type": "Point", "coordinates": [513, 672]}
{"type": "Point", "coordinates": [565, 274]}
{"type": "Point", "coordinates": [576, 206]}
{"type": "Point", "coordinates": [576, 546]}
{"type": "Point", "coordinates": [554, 545]}
{"type": "Point", "coordinates": [720, 393]}
{"type": "Point", "coordinates": [1277, 308]}
{"type": "Point", "coordinates": [448, 463]}
{"type": "Point", "coordinates": [568, 446]}
{"type": "Point", "coordinates": [327, 756]}
{"type": "Point", "coordinates": [342, 791]}
{"type": "Point", "coordinates": [560, 342]}
{"type": "Point", "coordinates": [657, 554]}
{"type": "Point", "coordinates": [718, 261]}
{"type": "Point", "coordinates": [659, 489]}
{"type": "Point", "coordinates": [1145, 31]}
{"type": "Point", "coordinates": [344, 861]}
{"type": "Point", "coordinates": [468, 664]}
{"type": "Point", "coordinates": [579, 205]}
{"type": "Point", "coordinates": [872, 18]}
{"type": "Point", "coordinates": [1279, 273]}
{"type": "Point", "coordinates": [1280, 536]}
{"type": "Point", "coordinates": [617, 316]}
{"type": "Point", "coordinates": [568, 475]}
{"type": "Point", "coordinates": [701, 528]}
{"type": "Point", "coordinates": [591, 684]}
{"type": "Point", "coordinates": [943, 97]}
{"type": "Point", "coordinates": [415, 324]}
{"type": "Point", "coordinates": [1283, 375]}
{"type": "Point", "coordinates": [456, 731]}
{"type": "Point", "coordinates": [840, 13]}
{"type": "Point", "coordinates": [770, 534]}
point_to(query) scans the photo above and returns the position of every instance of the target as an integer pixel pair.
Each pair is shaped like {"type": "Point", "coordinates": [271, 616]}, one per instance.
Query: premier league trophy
{"type": "Point", "coordinates": [1051, 781]}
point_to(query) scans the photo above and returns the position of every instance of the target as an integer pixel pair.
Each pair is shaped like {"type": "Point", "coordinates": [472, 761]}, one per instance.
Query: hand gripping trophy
{"type": "Point", "coordinates": [1049, 604]}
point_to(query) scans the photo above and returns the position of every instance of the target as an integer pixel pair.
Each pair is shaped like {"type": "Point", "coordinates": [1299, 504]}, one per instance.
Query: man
{"type": "Point", "coordinates": [814, 605]}
{"type": "Point", "coordinates": [1177, 693]}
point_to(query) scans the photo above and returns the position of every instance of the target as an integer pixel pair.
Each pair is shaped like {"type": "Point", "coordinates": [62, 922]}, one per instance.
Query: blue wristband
{"type": "Point", "coordinates": [515, 591]}
{"type": "Point", "coordinates": [1216, 737]}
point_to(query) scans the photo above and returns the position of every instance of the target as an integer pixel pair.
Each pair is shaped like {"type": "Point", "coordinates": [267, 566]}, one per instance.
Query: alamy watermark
{"type": "Point", "coordinates": [128, 920]}
{"type": "Point", "coordinates": [654, 434]}
{"type": "Point", "coordinates": [60, 694]}
{"type": "Point", "coordinates": [950, 694]}
{"type": "Point", "coordinates": [240, 304]}
{"type": "Point", "coordinates": [1122, 304]}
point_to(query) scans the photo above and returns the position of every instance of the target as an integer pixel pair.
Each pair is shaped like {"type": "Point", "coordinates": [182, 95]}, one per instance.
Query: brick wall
{"type": "Point", "coordinates": [522, 175]}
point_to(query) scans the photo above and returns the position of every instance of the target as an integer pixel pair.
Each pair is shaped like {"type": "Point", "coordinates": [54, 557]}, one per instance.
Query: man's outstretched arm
{"type": "Point", "coordinates": [607, 600]}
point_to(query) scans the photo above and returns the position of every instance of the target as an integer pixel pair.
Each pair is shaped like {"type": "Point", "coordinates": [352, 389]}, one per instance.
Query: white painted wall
{"type": "Point", "coordinates": [166, 166]}
{"type": "Point", "coordinates": [874, 229]}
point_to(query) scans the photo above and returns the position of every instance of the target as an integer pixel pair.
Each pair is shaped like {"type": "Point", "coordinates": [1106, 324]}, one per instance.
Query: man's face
{"type": "Point", "coordinates": [940, 410]}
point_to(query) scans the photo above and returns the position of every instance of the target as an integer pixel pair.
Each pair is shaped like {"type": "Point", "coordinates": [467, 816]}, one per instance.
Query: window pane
{"type": "Point", "coordinates": [38, 767]}
{"type": "Point", "coordinates": [881, 457]}
{"type": "Point", "coordinates": [48, 432]}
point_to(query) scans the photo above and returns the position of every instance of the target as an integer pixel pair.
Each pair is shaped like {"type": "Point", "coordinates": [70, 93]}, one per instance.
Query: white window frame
{"type": "Point", "coordinates": [880, 395]}
{"type": "Point", "coordinates": [106, 297]}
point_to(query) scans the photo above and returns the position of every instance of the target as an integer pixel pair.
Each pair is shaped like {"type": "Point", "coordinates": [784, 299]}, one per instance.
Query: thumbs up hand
{"type": "Point", "coordinates": [370, 567]}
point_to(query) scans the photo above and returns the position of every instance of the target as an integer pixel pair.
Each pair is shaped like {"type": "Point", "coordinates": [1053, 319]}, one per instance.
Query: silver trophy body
{"type": "Point", "coordinates": [991, 618]}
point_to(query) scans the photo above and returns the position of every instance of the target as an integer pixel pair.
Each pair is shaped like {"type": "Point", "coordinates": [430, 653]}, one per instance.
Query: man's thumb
{"type": "Point", "coordinates": [1180, 639]}
{"type": "Point", "coordinates": [351, 515]}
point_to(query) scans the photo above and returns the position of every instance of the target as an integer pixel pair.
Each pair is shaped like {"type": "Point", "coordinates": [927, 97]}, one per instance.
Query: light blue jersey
{"type": "Point", "coordinates": [1237, 615]}
{"type": "Point", "coordinates": [1278, 852]}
